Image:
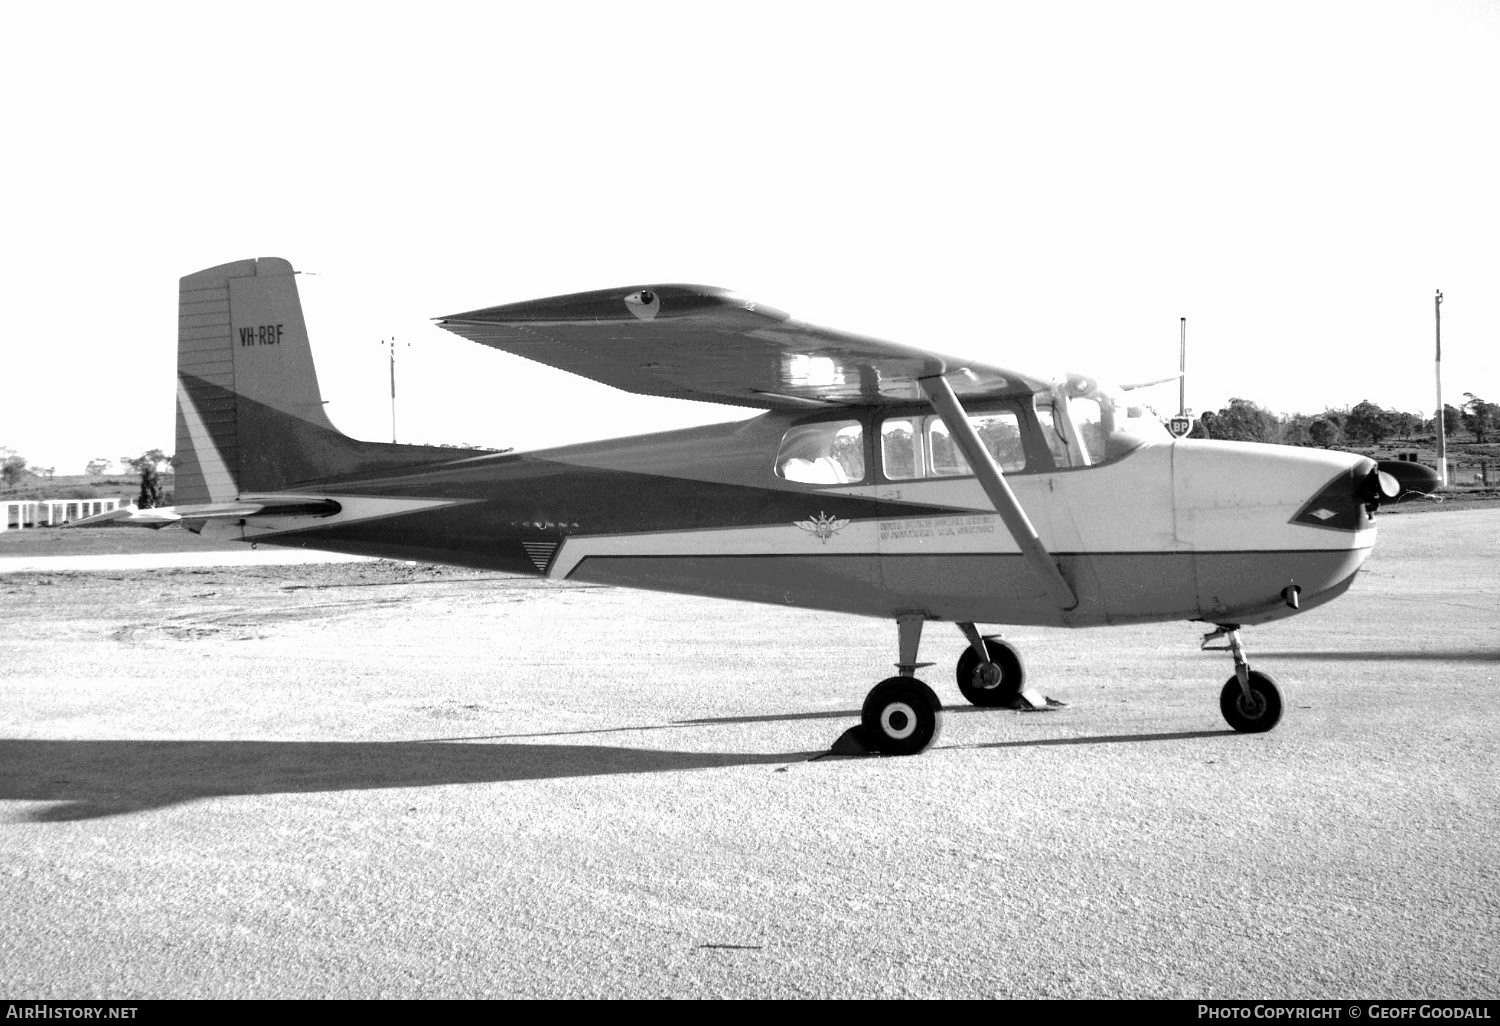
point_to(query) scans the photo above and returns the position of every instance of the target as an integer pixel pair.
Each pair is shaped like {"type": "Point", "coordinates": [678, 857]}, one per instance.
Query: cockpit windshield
{"type": "Point", "coordinates": [1087, 422]}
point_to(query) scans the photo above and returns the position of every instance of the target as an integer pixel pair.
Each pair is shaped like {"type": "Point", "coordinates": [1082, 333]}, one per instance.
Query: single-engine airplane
{"type": "Point", "coordinates": [882, 479]}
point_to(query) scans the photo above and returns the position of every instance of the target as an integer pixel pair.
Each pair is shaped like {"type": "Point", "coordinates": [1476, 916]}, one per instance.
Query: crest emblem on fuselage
{"type": "Point", "coordinates": [822, 526]}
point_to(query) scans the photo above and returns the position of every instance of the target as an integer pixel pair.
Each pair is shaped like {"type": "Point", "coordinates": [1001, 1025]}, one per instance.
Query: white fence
{"type": "Point", "coordinates": [1469, 474]}
{"type": "Point", "coordinates": [25, 513]}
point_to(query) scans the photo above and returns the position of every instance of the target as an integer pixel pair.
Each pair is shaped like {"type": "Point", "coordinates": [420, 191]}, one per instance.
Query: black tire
{"type": "Point", "coordinates": [1258, 716]}
{"type": "Point", "coordinates": [1002, 692]}
{"type": "Point", "coordinates": [902, 716]}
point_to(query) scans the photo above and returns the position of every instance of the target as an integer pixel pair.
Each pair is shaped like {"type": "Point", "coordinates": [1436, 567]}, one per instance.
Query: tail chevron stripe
{"type": "Point", "coordinates": [217, 481]}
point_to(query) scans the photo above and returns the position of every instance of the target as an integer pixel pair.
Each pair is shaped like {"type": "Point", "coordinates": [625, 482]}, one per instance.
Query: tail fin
{"type": "Point", "coordinates": [249, 414]}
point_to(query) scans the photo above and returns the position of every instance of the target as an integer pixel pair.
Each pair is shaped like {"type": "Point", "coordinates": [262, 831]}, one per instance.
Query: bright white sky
{"type": "Point", "coordinates": [1036, 185]}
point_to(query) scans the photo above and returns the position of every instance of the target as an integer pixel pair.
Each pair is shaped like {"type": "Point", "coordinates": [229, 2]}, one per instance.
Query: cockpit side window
{"type": "Point", "coordinates": [902, 448]}
{"type": "Point", "coordinates": [922, 446]}
{"type": "Point", "coordinates": [1000, 432]}
{"type": "Point", "coordinates": [1087, 423]}
{"type": "Point", "coordinates": [827, 452]}
{"type": "Point", "coordinates": [1054, 431]}
{"type": "Point", "coordinates": [1095, 424]}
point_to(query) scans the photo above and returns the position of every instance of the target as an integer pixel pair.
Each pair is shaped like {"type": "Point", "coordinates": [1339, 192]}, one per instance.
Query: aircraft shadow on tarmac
{"type": "Point", "coordinates": [89, 779]}
{"type": "Point", "coordinates": [828, 714]}
{"type": "Point", "coordinates": [1473, 655]}
{"type": "Point", "coordinates": [1102, 739]}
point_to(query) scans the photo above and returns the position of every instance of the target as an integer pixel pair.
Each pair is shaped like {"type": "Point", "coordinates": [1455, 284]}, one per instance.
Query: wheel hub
{"type": "Point", "coordinates": [988, 676]}
{"type": "Point", "coordinates": [898, 720]}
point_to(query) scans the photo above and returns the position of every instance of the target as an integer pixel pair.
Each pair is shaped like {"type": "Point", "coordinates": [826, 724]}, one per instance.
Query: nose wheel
{"type": "Point", "coordinates": [1255, 712]}
{"type": "Point", "coordinates": [1250, 701]}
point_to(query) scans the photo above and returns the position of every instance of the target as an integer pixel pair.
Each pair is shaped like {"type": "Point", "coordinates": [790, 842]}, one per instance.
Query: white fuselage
{"type": "Point", "coordinates": [1173, 530]}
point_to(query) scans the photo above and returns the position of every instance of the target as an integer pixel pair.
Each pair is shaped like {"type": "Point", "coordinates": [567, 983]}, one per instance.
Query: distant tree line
{"type": "Point", "coordinates": [149, 464]}
{"type": "Point", "coordinates": [1240, 421]}
{"type": "Point", "coordinates": [1362, 424]}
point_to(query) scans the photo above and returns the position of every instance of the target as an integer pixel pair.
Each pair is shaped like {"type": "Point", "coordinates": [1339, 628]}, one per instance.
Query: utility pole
{"type": "Point", "coordinates": [392, 345]}
{"type": "Point", "coordinates": [1182, 424]}
{"type": "Point", "coordinates": [1182, 366]}
{"type": "Point", "coordinates": [1442, 427]}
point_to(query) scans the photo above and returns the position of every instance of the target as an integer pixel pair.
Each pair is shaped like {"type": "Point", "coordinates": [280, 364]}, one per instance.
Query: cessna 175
{"type": "Point", "coordinates": [882, 480]}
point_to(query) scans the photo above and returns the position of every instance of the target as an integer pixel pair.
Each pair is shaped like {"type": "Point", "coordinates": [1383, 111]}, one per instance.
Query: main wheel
{"type": "Point", "coordinates": [902, 716]}
{"type": "Point", "coordinates": [995, 683]}
{"type": "Point", "coordinates": [1260, 713]}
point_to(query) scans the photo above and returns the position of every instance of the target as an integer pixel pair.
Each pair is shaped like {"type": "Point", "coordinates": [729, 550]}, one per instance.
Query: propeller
{"type": "Point", "coordinates": [1378, 488]}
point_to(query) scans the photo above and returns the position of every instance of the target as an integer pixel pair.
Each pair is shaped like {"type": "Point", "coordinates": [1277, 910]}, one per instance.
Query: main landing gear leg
{"type": "Point", "coordinates": [901, 715]}
{"type": "Point", "coordinates": [909, 638]}
{"type": "Point", "coordinates": [1250, 701]}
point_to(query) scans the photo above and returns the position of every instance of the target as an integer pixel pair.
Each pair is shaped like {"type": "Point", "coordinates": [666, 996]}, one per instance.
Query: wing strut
{"type": "Point", "coordinates": [993, 479]}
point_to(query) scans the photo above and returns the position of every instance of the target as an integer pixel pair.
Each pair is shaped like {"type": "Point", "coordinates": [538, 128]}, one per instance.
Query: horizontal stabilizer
{"type": "Point", "coordinates": [165, 516]}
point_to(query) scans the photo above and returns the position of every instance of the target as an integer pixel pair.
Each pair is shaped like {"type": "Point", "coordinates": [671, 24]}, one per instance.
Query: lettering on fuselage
{"type": "Point", "coordinates": [261, 335]}
{"type": "Point", "coordinates": [936, 527]}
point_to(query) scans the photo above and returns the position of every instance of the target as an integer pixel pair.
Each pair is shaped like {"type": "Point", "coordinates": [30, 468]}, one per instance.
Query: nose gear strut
{"type": "Point", "coordinates": [1241, 664]}
{"type": "Point", "coordinates": [1250, 701]}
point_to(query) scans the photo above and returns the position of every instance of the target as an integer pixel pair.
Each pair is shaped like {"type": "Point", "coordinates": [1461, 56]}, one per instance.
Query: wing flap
{"type": "Point", "coordinates": [712, 345]}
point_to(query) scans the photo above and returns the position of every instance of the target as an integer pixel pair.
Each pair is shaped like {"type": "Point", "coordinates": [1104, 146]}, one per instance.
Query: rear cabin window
{"type": "Point", "coordinates": [913, 447]}
{"type": "Point", "coordinates": [830, 452]}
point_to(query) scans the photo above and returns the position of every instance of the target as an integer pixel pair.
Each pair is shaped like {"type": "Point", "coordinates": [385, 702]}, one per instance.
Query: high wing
{"type": "Point", "coordinates": [712, 345]}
